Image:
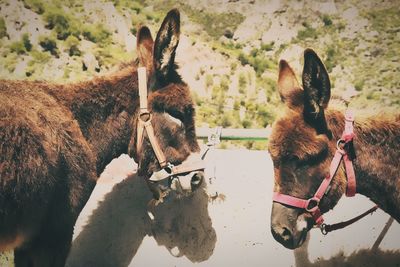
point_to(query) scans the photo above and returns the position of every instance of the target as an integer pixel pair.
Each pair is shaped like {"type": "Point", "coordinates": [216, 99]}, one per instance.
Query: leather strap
{"type": "Point", "coordinates": [144, 120]}
{"type": "Point", "coordinates": [312, 205]}
{"type": "Point", "coordinates": [145, 125]}
{"type": "Point", "coordinates": [347, 137]}
{"type": "Point", "coordinates": [177, 170]}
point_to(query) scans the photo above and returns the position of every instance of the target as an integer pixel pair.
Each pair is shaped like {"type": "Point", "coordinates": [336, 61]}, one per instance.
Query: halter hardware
{"type": "Point", "coordinates": [311, 205]}
{"type": "Point", "coordinates": [144, 124]}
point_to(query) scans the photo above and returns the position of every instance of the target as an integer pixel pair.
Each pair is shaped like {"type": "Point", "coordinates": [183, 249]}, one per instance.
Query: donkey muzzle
{"type": "Point", "coordinates": [188, 182]}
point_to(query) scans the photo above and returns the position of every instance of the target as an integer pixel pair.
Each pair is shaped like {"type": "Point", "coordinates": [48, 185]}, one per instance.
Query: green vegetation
{"type": "Point", "coordinates": [72, 44]}
{"type": "Point", "coordinates": [61, 23]}
{"type": "Point", "coordinates": [26, 42]}
{"type": "Point", "coordinates": [97, 34]}
{"type": "Point", "coordinates": [10, 60]}
{"type": "Point", "coordinates": [18, 47]}
{"type": "Point", "coordinates": [3, 28]}
{"type": "Point", "coordinates": [383, 19]}
{"type": "Point", "coordinates": [215, 24]}
{"type": "Point", "coordinates": [258, 60]}
{"type": "Point", "coordinates": [6, 259]}
{"type": "Point", "coordinates": [327, 20]}
{"type": "Point", "coordinates": [37, 64]}
{"type": "Point", "coordinates": [36, 6]}
{"type": "Point", "coordinates": [21, 47]}
{"type": "Point", "coordinates": [49, 43]}
{"type": "Point", "coordinates": [242, 83]}
{"type": "Point", "coordinates": [307, 33]}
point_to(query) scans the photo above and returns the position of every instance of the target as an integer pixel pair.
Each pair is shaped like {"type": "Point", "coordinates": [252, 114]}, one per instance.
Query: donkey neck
{"type": "Point", "coordinates": [377, 146]}
{"type": "Point", "coordinates": [103, 107]}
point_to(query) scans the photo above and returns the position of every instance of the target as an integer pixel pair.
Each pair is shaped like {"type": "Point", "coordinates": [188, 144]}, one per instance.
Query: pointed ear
{"type": "Point", "coordinates": [317, 91]}
{"type": "Point", "coordinates": [288, 87]}
{"type": "Point", "coordinates": [144, 44]}
{"type": "Point", "coordinates": [166, 43]}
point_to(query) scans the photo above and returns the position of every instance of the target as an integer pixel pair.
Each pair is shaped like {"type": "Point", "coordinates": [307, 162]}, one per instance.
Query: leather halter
{"type": "Point", "coordinates": [311, 205]}
{"type": "Point", "coordinates": [168, 170]}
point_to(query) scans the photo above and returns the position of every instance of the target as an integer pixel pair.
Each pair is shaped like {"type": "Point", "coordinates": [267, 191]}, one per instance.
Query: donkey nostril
{"type": "Point", "coordinates": [286, 233]}
{"type": "Point", "coordinates": [196, 181]}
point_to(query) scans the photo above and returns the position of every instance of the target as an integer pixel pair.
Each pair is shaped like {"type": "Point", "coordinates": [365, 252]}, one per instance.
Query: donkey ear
{"type": "Point", "coordinates": [144, 44]}
{"type": "Point", "coordinates": [166, 42]}
{"type": "Point", "coordinates": [317, 90]}
{"type": "Point", "coordinates": [288, 86]}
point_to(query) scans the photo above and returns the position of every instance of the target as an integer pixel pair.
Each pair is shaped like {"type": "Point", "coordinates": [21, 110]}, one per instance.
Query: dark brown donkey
{"type": "Point", "coordinates": [55, 140]}
{"type": "Point", "coordinates": [303, 143]}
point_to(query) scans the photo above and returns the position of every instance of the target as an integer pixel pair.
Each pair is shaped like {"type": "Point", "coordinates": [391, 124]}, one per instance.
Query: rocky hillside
{"type": "Point", "coordinates": [228, 52]}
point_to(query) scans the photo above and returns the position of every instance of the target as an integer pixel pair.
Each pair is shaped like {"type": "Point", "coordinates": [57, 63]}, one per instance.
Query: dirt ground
{"type": "Point", "coordinates": [232, 230]}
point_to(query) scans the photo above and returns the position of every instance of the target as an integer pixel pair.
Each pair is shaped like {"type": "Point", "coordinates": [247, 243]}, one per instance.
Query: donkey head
{"type": "Point", "coordinates": [301, 149]}
{"type": "Point", "coordinates": [169, 103]}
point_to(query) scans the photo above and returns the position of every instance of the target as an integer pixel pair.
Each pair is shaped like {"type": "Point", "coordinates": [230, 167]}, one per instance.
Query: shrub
{"type": "Point", "coordinates": [224, 84]}
{"type": "Point", "coordinates": [243, 59]}
{"type": "Point", "coordinates": [264, 116]}
{"type": "Point", "coordinates": [331, 57]}
{"type": "Point", "coordinates": [246, 123]}
{"type": "Point", "coordinates": [18, 47]}
{"type": "Point", "coordinates": [327, 20]}
{"type": "Point", "coordinates": [97, 34]}
{"type": "Point", "coordinates": [307, 33]}
{"type": "Point", "coordinates": [233, 66]}
{"type": "Point", "coordinates": [3, 28]}
{"type": "Point", "coordinates": [37, 6]}
{"type": "Point", "coordinates": [72, 44]}
{"type": "Point", "coordinates": [215, 24]}
{"type": "Point", "coordinates": [358, 85]}
{"type": "Point", "coordinates": [226, 120]}
{"type": "Point", "coordinates": [26, 42]}
{"type": "Point", "coordinates": [209, 80]}
{"type": "Point", "coordinates": [257, 60]}
{"type": "Point", "coordinates": [10, 61]}
{"type": "Point", "coordinates": [40, 57]}
{"type": "Point", "coordinates": [267, 47]}
{"type": "Point", "coordinates": [242, 83]}
{"type": "Point", "coordinates": [49, 44]}
{"type": "Point", "coordinates": [64, 25]}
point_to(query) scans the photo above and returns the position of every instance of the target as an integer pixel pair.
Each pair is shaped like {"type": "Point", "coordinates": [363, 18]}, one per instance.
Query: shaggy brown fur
{"type": "Point", "coordinates": [56, 139]}
{"type": "Point", "coordinates": [303, 143]}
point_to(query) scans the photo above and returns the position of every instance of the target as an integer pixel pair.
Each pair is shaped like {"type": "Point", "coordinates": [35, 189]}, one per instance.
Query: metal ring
{"type": "Point", "coordinates": [322, 227]}
{"type": "Point", "coordinates": [145, 113]}
{"type": "Point", "coordinates": [341, 150]}
{"type": "Point", "coordinates": [314, 208]}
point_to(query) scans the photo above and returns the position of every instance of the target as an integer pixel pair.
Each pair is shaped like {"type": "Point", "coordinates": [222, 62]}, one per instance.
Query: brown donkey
{"type": "Point", "coordinates": [55, 140]}
{"type": "Point", "coordinates": [303, 142]}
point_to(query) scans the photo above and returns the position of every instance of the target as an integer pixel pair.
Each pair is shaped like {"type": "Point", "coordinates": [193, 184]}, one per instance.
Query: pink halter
{"type": "Point", "coordinates": [312, 205]}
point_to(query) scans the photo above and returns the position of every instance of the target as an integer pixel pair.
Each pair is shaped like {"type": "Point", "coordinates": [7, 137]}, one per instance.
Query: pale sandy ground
{"type": "Point", "coordinates": [114, 229]}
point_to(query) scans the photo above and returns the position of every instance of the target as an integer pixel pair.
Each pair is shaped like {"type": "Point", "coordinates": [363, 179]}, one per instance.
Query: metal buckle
{"type": "Point", "coordinates": [314, 202]}
{"type": "Point", "coordinates": [215, 137]}
{"type": "Point", "coordinates": [145, 116]}
{"type": "Point", "coordinates": [169, 167]}
{"type": "Point", "coordinates": [322, 227]}
{"type": "Point", "coordinates": [340, 146]}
